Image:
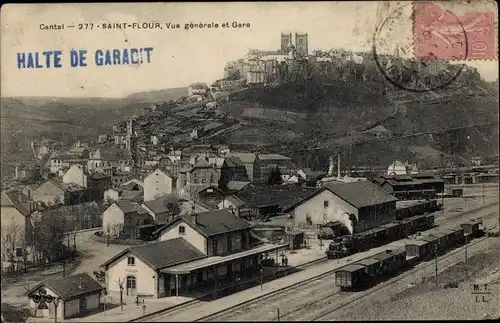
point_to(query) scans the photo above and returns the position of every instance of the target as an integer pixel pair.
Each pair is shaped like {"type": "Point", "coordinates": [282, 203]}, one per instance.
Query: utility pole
{"type": "Point", "coordinates": [261, 279]}
{"type": "Point", "coordinates": [484, 196]}
{"type": "Point", "coordinates": [278, 314]}
{"type": "Point", "coordinates": [442, 203]}
{"type": "Point", "coordinates": [466, 243]}
{"type": "Point", "coordinates": [436, 264]}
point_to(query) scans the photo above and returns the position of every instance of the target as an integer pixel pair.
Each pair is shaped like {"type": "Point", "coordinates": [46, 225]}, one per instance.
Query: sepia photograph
{"type": "Point", "coordinates": [249, 161]}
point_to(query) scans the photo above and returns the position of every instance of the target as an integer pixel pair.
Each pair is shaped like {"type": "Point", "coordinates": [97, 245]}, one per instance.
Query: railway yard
{"type": "Point", "coordinates": [403, 296]}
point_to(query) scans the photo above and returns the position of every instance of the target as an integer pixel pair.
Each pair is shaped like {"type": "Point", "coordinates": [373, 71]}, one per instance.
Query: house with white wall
{"type": "Point", "coordinates": [66, 297]}
{"type": "Point", "coordinates": [125, 218]}
{"type": "Point", "coordinates": [76, 174]}
{"type": "Point", "coordinates": [158, 184]}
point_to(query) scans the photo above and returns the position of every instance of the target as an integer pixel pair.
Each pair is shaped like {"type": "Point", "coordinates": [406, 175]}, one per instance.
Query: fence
{"type": "Point", "coordinates": [103, 239]}
{"type": "Point", "coordinates": [75, 222]}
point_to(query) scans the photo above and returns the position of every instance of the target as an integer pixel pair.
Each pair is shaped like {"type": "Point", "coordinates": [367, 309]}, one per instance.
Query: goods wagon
{"type": "Point", "coordinates": [455, 236]}
{"type": "Point", "coordinates": [473, 228]}
{"type": "Point", "coordinates": [418, 249]}
{"type": "Point", "coordinates": [391, 261]}
{"type": "Point", "coordinates": [351, 277]}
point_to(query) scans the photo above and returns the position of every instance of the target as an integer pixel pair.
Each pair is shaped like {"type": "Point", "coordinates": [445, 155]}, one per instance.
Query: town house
{"type": "Point", "coordinates": [15, 210]}
{"type": "Point", "coordinates": [124, 218]}
{"type": "Point", "coordinates": [158, 184]}
{"type": "Point", "coordinates": [115, 158]}
{"type": "Point", "coordinates": [251, 162]}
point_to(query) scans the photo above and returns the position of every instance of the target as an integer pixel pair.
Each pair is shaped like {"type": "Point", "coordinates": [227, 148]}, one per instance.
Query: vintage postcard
{"type": "Point", "coordinates": [255, 161]}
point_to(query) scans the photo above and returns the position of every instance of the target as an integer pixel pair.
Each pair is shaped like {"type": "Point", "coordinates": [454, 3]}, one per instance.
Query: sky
{"type": "Point", "coordinates": [180, 57]}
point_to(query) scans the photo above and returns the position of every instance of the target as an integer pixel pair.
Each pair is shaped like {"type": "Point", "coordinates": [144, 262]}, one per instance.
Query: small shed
{"type": "Point", "coordinates": [294, 238]}
{"type": "Point", "coordinates": [68, 297]}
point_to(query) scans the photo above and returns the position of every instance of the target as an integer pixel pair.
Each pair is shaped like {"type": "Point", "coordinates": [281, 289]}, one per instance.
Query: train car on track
{"type": "Point", "coordinates": [391, 261]}
{"type": "Point", "coordinates": [420, 222]}
{"type": "Point", "coordinates": [473, 228]}
{"type": "Point", "coordinates": [419, 249]}
{"type": "Point", "coordinates": [351, 277]}
{"type": "Point", "coordinates": [455, 236]}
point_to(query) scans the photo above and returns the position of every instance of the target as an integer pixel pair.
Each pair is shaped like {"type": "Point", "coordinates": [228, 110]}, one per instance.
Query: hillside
{"type": "Point", "coordinates": [331, 116]}
{"type": "Point", "coordinates": [159, 95]}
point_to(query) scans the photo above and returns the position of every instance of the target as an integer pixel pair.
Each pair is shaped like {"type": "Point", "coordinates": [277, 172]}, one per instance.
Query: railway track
{"type": "Point", "coordinates": [219, 316]}
{"type": "Point", "coordinates": [192, 304]}
{"type": "Point", "coordinates": [399, 278]}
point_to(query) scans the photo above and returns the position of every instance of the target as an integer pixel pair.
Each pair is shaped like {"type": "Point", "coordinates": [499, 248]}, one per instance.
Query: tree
{"type": "Point", "coordinates": [49, 232]}
{"type": "Point", "coordinates": [275, 177]}
{"type": "Point", "coordinates": [120, 283]}
{"type": "Point", "coordinates": [12, 238]}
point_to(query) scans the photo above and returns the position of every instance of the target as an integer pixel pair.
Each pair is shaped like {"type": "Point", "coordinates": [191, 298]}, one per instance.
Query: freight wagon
{"type": "Point", "coordinates": [473, 228]}
{"type": "Point", "coordinates": [391, 261]}
{"type": "Point", "coordinates": [422, 207]}
{"type": "Point", "coordinates": [367, 272]}
{"type": "Point", "coordinates": [351, 277]}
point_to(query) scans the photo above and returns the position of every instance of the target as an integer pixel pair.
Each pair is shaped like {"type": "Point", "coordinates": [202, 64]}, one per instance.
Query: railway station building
{"type": "Point", "coordinates": [197, 251]}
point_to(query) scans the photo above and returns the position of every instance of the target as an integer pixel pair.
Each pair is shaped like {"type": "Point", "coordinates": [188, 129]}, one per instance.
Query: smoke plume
{"type": "Point", "coordinates": [337, 215]}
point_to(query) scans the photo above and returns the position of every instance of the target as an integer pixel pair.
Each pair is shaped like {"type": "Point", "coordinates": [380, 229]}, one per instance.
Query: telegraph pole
{"type": "Point", "coordinates": [466, 243]}
{"type": "Point", "coordinates": [436, 264]}
{"type": "Point", "coordinates": [484, 196]}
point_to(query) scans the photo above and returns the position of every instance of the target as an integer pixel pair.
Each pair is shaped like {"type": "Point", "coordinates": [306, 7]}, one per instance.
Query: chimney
{"type": "Point", "coordinates": [331, 167]}
{"type": "Point", "coordinates": [194, 218]}
{"type": "Point", "coordinates": [388, 251]}
{"type": "Point", "coordinates": [338, 166]}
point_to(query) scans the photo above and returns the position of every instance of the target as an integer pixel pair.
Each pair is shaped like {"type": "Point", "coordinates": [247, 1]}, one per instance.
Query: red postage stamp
{"type": "Point", "coordinates": [440, 34]}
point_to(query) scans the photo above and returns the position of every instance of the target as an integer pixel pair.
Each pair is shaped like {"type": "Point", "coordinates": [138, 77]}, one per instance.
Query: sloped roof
{"type": "Point", "coordinates": [246, 158]}
{"type": "Point", "coordinates": [201, 163]}
{"type": "Point", "coordinates": [212, 223]}
{"type": "Point", "coordinates": [217, 222]}
{"type": "Point", "coordinates": [235, 201]}
{"type": "Point", "coordinates": [15, 199]}
{"type": "Point", "coordinates": [71, 286]}
{"type": "Point", "coordinates": [236, 185]}
{"type": "Point", "coordinates": [126, 206]}
{"type": "Point", "coordinates": [111, 153]}
{"type": "Point", "coordinates": [163, 254]}
{"type": "Point", "coordinates": [360, 194]}
{"type": "Point", "coordinates": [158, 206]}
{"type": "Point", "coordinates": [233, 162]}
{"type": "Point", "coordinates": [281, 195]}
{"type": "Point", "coordinates": [312, 175]}
{"type": "Point", "coordinates": [273, 157]}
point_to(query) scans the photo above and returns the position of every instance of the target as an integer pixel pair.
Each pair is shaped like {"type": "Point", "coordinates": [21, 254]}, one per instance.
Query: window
{"type": "Point", "coordinates": [214, 247]}
{"type": "Point", "coordinates": [182, 229]}
{"type": "Point", "coordinates": [325, 204]}
{"type": "Point", "coordinates": [131, 261]}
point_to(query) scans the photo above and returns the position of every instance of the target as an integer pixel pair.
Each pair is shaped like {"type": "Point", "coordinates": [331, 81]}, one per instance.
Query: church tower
{"type": "Point", "coordinates": [286, 41]}
{"type": "Point", "coordinates": [130, 140]}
